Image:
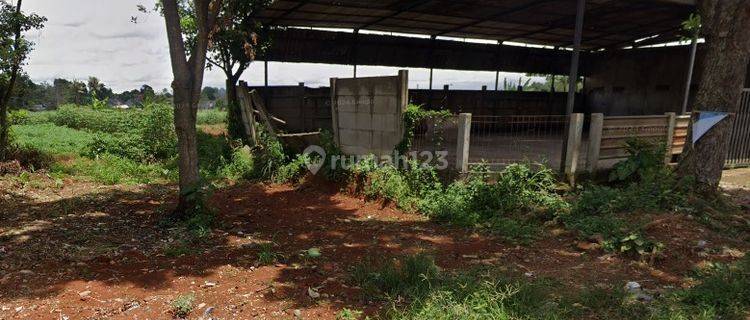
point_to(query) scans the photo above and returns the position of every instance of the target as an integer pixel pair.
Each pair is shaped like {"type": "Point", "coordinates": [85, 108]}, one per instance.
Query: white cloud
{"type": "Point", "coordinates": [97, 38]}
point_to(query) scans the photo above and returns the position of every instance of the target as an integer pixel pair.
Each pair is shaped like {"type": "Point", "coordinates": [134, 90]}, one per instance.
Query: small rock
{"type": "Point", "coordinates": [208, 312]}
{"type": "Point", "coordinates": [19, 309]}
{"type": "Point", "coordinates": [200, 306]}
{"type": "Point", "coordinates": [633, 287]}
{"type": "Point", "coordinates": [84, 294]}
{"type": "Point", "coordinates": [313, 293]}
{"type": "Point", "coordinates": [529, 274]}
{"type": "Point", "coordinates": [26, 272]}
{"type": "Point", "coordinates": [644, 297]}
{"type": "Point", "coordinates": [298, 313]}
{"type": "Point", "coordinates": [702, 244]}
{"type": "Point", "coordinates": [208, 284]}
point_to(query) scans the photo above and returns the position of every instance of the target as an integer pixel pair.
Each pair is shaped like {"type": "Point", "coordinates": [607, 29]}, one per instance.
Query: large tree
{"type": "Point", "coordinates": [188, 61]}
{"type": "Point", "coordinates": [14, 49]}
{"type": "Point", "coordinates": [726, 24]}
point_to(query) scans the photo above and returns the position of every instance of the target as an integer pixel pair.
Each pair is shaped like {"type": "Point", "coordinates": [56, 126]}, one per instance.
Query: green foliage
{"type": "Point", "coordinates": [183, 305]}
{"type": "Point", "coordinates": [292, 171]}
{"type": "Point", "coordinates": [211, 116]}
{"type": "Point", "coordinates": [51, 139]}
{"type": "Point", "coordinates": [405, 276]}
{"type": "Point", "coordinates": [644, 158]}
{"type": "Point", "coordinates": [413, 116]}
{"type": "Point", "coordinates": [634, 244]}
{"type": "Point", "coordinates": [242, 165]}
{"type": "Point", "coordinates": [349, 314]}
{"type": "Point", "coordinates": [269, 156]}
{"type": "Point", "coordinates": [266, 255]}
{"type": "Point", "coordinates": [723, 291]}
{"type": "Point", "coordinates": [513, 206]}
{"type": "Point", "coordinates": [417, 289]}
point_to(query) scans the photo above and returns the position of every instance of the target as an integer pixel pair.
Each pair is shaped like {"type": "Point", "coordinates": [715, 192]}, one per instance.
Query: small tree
{"type": "Point", "coordinates": [14, 49]}
{"type": "Point", "coordinates": [188, 58]}
{"type": "Point", "coordinates": [238, 40]}
{"type": "Point", "coordinates": [725, 28]}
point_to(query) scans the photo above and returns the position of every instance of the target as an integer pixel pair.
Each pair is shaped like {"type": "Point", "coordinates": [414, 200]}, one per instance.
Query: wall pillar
{"type": "Point", "coordinates": [463, 142]}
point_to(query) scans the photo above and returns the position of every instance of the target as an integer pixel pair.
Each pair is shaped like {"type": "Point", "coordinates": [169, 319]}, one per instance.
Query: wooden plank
{"type": "Point", "coordinates": [595, 140]}
{"type": "Point", "coordinates": [672, 121]}
{"type": "Point", "coordinates": [246, 112]}
{"type": "Point", "coordinates": [260, 105]}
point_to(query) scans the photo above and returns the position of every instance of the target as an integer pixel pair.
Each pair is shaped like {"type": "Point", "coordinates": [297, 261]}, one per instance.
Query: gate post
{"type": "Point", "coordinates": [462, 144]}
{"type": "Point", "coordinates": [573, 148]}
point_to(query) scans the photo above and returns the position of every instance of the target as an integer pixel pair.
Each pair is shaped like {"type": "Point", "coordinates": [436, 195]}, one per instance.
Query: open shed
{"type": "Point", "coordinates": [610, 43]}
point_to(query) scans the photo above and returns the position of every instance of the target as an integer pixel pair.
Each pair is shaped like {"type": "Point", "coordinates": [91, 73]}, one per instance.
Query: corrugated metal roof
{"type": "Point", "coordinates": [607, 23]}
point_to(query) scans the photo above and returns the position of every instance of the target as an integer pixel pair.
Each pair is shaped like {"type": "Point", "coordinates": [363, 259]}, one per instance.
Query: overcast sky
{"type": "Point", "coordinates": [96, 38]}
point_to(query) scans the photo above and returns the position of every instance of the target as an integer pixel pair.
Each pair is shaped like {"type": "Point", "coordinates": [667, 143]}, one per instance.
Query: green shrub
{"type": "Point", "coordinates": [644, 158]}
{"type": "Point", "coordinates": [20, 116]}
{"type": "Point", "coordinates": [269, 156]}
{"type": "Point", "coordinates": [183, 305]}
{"type": "Point", "coordinates": [124, 145]}
{"type": "Point", "coordinates": [157, 133]}
{"type": "Point", "coordinates": [292, 171]}
{"type": "Point", "coordinates": [242, 165]}
{"type": "Point", "coordinates": [413, 115]}
{"type": "Point", "coordinates": [51, 139]}
{"type": "Point", "coordinates": [211, 116]}
{"type": "Point", "coordinates": [514, 205]}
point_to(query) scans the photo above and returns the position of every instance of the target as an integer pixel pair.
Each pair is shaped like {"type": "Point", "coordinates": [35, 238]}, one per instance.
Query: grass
{"type": "Point", "coordinates": [52, 139]}
{"type": "Point", "coordinates": [414, 288]}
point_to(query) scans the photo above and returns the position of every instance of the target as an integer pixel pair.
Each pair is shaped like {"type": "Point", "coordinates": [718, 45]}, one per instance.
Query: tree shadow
{"type": "Point", "coordinates": [119, 238]}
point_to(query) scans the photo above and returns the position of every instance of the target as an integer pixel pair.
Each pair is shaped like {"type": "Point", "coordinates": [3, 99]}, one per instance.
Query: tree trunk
{"type": "Point", "coordinates": [187, 85]}
{"type": "Point", "coordinates": [5, 97]}
{"type": "Point", "coordinates": [725, 27]}
{"type": "Point", "coordinates": [187, 146]}
{"type": "Point", "coordinates": [234, 117]}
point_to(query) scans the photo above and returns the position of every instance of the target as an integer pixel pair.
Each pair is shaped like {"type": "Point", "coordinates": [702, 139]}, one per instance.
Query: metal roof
{"type": "Point", "coordinates": [607, 23]}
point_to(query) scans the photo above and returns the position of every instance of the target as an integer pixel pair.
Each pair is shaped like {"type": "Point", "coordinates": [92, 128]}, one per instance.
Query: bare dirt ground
{"type": "Point", "coordinates": [81, 250]}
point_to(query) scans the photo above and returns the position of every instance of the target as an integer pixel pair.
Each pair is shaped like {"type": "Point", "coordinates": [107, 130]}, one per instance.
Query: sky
{"type": "Point", "coordinates": [85, 38]}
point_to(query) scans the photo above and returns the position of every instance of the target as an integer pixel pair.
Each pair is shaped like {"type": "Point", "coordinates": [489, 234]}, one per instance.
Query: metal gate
{"type": "Point", "coordinates": [738, 154]}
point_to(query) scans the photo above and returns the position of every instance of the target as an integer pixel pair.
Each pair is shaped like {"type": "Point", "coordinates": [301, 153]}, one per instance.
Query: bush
{"type": "Point", "coordinates": [211, 116]}
{"type": "Point", "coordinates": [242, 165]}
{"type": "Point", "coordinates": [51, 139]}
{"type": "Point", "coordinates": [512, 205]}
{"type": "Point", "coordinates": [292, 171]}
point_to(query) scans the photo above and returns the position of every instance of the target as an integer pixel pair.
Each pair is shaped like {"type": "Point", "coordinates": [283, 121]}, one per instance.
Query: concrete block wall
{"type": "Point", "coordinates": [367, 113]}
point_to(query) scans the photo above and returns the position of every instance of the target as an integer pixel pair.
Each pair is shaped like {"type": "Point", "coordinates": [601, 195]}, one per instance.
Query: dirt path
{"type": "Point", "coordinates": [86, 251]}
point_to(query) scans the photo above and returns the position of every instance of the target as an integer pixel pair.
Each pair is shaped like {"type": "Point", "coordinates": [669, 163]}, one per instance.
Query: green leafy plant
{"type": "Point", "coordinates": [644, 158]}
{"type": "Point", "coordinates": [183, 305]}
{"type": "Point", "coordinates": [266, 255]}
{"type": "Point", "coordinates": [413, 116]}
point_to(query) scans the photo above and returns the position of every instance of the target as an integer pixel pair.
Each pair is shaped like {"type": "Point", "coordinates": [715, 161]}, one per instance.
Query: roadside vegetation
{"type": "Point", "coordinates": [519, 205]}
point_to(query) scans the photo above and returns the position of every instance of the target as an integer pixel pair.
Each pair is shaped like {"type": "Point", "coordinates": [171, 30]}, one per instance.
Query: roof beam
{"type": "Point", "coordinates": [288, 12]}
{"type": "Point", "coordinates": [404, 7]}
{"type": "Point", "coordinates": [562, 22]}
{"type": "Point", "coordinates": [496, 16]}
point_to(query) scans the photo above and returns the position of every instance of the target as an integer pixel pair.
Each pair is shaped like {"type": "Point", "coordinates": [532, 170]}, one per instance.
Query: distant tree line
{"type": "Point", "coordinates": [31, 95]}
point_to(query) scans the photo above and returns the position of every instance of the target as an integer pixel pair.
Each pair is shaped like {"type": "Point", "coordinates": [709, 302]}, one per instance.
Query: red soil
{"type": "Point", "coordinates": [86, 251]}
